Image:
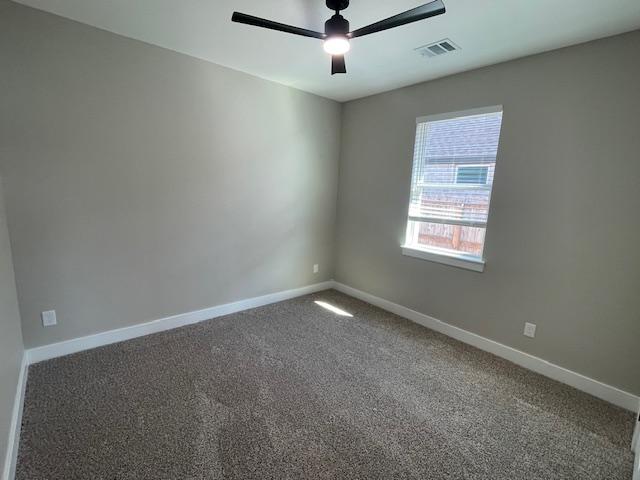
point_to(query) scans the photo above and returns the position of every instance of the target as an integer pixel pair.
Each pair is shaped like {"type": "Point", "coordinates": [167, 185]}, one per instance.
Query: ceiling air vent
{"type": "Point", "coordinates": [438, 48]}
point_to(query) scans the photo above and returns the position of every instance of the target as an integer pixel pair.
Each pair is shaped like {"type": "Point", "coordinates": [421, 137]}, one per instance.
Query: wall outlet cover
{"type": "Point", "coordinates": [316, 268]}
{"type": "Point", "coordinates": [529, 330]}
{"type": "Point", "coordinates": [49, 318]}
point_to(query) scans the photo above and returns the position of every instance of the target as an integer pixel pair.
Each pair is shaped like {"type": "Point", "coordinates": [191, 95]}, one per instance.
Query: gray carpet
{"type": "Point", "coordinates": [293, 391]}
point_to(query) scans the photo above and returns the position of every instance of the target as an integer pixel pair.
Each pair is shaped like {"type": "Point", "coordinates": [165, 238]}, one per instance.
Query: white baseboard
{"type": "Point", "coordinates": [597, 389]}
{"type": "Point", "coordinates": [635, 447]}
{"type": "Point", "coordinates": [635, 443]}
{"type": "Point", "coordinates": [46, 352]}
{"type": "Point", "coordinates": [13, 442]}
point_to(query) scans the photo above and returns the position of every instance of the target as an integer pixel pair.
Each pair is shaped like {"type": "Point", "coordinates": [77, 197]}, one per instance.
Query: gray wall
{"type": "Point", "coordinates": [142, 183]}
{"type": "Point", "coordinates": [562, 242]}
{"type": "Point", "coordinates": [11, 348]}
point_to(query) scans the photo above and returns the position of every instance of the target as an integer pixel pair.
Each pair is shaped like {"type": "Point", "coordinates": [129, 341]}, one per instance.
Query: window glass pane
{"type": "Point", "coordinates": [453, 170]}
{"type": "Point", "coordinates": [472, 175]}
{"type": "Point", "coordinates": [456, 238]}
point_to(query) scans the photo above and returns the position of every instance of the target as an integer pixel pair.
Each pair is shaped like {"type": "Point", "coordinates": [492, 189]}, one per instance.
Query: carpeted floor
{"type": "Point", "coordinates": [294, 391]}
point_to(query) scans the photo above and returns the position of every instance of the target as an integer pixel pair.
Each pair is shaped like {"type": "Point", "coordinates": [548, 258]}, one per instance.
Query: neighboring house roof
{"type": "Point", "coordinates": [466, 137]}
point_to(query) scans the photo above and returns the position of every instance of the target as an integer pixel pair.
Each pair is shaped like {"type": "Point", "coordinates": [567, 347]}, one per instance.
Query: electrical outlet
{"type": "Point", "coordinates": [529, 330]}
{"type": "Point", "coordinates": [49, 318]}
{"type": "Point", "coordinates": [316, 268]}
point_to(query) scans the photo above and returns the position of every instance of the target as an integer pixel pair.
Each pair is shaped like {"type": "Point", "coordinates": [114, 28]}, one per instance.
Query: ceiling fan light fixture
{"type": "Point", "coordinates": [337, 45]}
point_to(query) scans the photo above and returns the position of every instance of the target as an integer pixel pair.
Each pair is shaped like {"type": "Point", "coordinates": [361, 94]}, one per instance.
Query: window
{"type": "Point", "coordinates": [453, 168]}
{"type": "Point", "coordinates": [476, 175]}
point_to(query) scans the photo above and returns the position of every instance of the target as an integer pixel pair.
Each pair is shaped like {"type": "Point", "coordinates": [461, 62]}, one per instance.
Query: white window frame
{"type": "Point", "coordinates": [441, 255]}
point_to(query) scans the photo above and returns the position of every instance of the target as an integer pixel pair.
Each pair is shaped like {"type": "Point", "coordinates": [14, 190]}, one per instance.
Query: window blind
{"type": "Point", "coordinates": [453, 168]}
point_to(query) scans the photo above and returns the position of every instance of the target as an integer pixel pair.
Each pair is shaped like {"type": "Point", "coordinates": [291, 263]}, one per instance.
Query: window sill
{"type": "Point", "coordinates": [446, 258]}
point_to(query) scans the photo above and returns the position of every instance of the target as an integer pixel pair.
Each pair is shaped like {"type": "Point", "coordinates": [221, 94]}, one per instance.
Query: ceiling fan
{"type": "Point", "coordinates": [336, 34]}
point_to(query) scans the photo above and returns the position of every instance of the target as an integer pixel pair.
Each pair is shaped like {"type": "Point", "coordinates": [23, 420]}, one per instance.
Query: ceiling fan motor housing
{"type": "Point", "coordinates": [336, 25]}
{"type": "Point", "coordinates": [337, 4]}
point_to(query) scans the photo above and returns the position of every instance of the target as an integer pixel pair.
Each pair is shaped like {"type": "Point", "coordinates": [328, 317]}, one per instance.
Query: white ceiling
{"type": "Point", "coordinates": [488, 31]}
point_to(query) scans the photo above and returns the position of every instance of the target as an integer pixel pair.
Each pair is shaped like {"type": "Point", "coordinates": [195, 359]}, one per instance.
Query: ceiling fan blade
{"type": "Point", "coordinates": [338, 64]}
{"type": "Point", "coordinates": [420, 13]}
{"type": "Point", "coordinates": [281, 27]}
